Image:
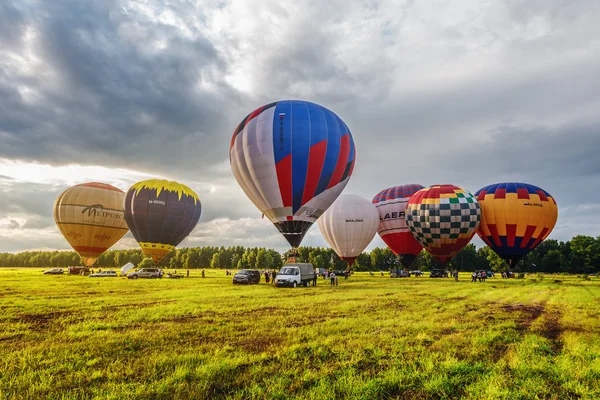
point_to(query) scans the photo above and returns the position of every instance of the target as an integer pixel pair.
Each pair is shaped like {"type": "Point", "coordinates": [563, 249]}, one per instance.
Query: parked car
{"type": "Point", "coordinates": [320, 271]}
{"type": "Point", "coordinates": [54, 271]}
{"type": "Point", "coordinates": [295, 274]}
{"type": "Point", "coordinates": [247, 276]}
{"type": "Point", "coordinates": [398, 273]}
{"type": "Point", "coordinates": [340, 273]}
{"type": "Point", "coordinates": [150, 273]}
{"type": "Point", "coordinates": [103, 274]}
{"type": "Point", "coordinates": [173, 275]}
{"type": "Point", "coordinates": [416, 272]}
{"type": "Point", "coordinates": [438, 273]}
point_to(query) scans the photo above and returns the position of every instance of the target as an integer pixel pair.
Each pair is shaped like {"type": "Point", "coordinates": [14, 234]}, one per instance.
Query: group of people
{"type": "Point", "coordinates": [269, 275]}
{"type": "Point", "coordinates": [481, 275]}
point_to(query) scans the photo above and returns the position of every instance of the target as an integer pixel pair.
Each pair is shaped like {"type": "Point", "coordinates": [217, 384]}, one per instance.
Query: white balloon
{"type": "Point", "coordinates": [349, 225]}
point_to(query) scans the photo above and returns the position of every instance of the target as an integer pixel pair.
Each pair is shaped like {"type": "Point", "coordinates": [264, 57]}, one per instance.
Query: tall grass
{"type": "Point", "coordinates": [370, 337]}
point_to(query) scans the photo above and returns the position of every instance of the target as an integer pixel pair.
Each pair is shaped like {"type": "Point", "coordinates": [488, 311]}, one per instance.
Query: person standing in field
{"type": "Point", "coordinates": [315, 278]}
{"type": "Point", "coordinates": [332, 278]}
{"type": "Point", "coordinates": [202, 273]}
{"type": "Point", "coordinates": [474, 277]}
{"type": "Point", "coordinates": [336, 280]}
{"type": "Point", "coordinates": [267, 276]}
{"type": "Point", "coordinates": [188, 273]}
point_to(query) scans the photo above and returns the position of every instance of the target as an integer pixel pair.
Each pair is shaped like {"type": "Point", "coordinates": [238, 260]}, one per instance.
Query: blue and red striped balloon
{"type": "Point", "coordinates": [292, 159]}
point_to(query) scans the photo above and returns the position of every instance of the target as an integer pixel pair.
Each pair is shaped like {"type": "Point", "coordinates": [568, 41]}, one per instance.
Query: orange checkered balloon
{"type": "Point", "coordinates": [516, 217]}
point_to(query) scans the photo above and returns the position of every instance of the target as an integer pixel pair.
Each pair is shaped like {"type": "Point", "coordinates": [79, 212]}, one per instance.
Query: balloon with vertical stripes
{"type": "Point", "coordinates": [292, 158]}
{"type": "Point", "coordinates": [515, 218]}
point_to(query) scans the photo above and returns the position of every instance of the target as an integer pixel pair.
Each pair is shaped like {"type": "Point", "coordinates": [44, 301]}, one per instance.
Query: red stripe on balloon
{"type": "Point", "coordinates": [253, 115]}
{"type": "Point", "coordinates": [284, 176]}
{"type": "Point", "coordinates": [486, 240]}
{"type": "Point", "coordinates": [528, 233]}
{"type": "Point", "coordinates": [539, 239]}
{"type": "Point", "coordinates": [522, 193]}
{"type": "Point", "coordinates": [88, 249]}
{"type": "Point", "coordinates": [342, 161]}
{"type": "Point", "coordinates": [316, 160]}
{"type": "Point", "coordinates": [481, 195]}
{"type": "Point", "coordinates": [511, 233]}
{"type": "Point", "coordinates": [542, 195]}
{"type": "Point", "coordinates": [495, 236]}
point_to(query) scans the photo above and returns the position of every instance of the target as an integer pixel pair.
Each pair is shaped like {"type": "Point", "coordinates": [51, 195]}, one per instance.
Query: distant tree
{"type": "Point", "coordinates": [363, 262]}
{"type": "Point", "coordinates": [466, 259]}
{"type": "Point", "coordinates": [216, 261]}
{"type": "Point", "coordinates": [146, 263]}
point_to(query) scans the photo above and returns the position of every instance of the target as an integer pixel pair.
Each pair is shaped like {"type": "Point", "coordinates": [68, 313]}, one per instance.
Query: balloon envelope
{"type": "Point", "coordinates": [161, 214]}
{"type": "Point", "coordinates": [391, 204]}
{"type": "Point", "coordinates": [126, 268]}
{"type": "Point", "coordinates": [349, 225]}
{"type": "Point", "coordinates": [443, 218]}
{"type": "Point", "coordinates": [516, 217]}
{"type": "Point", "coordinates": [292, 159]}
{"type": "Point", "coordinates": [90, 217]}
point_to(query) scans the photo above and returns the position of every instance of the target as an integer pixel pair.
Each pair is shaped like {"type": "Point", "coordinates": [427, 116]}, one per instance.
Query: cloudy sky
{"type": "Point", "coordinates": [468, 92]}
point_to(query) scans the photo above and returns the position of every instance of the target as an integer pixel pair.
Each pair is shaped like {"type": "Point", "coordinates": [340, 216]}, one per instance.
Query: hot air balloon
{"type": "Point", "coordinates": [443, 218]}
{"type": "Point", "coordinates": [515, 218]}
{"type": "Point", "coordinates": [391, 205]}
{"type": "Point", "coordinates": [292, 159]}
{"type": "Point", "coordinates": [90, 217]}
{"type": "Point", "coordinates": [349, 225]}
{"type": "Point", "coordinates": [161, 214]}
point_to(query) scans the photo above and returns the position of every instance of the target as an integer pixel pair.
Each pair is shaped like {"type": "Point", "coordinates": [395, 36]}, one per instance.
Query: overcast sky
{"type": "Point", "coordinates": [468, 92]}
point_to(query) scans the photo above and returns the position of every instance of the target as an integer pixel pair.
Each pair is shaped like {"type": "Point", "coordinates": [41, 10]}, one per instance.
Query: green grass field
{"type": "Point", "coordinates": [371, 337]}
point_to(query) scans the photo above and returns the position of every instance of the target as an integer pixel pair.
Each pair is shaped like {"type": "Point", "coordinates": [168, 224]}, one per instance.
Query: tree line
{"type": "Point", "coordinates": [579, 255]}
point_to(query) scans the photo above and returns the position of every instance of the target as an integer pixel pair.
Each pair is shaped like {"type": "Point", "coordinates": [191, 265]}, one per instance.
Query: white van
{"type": "Point", "coordinates": [295, 274]}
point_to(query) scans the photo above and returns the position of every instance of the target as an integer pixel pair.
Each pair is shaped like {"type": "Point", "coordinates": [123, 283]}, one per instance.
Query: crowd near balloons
{"type": "Point", "coordinates": [293, 160]}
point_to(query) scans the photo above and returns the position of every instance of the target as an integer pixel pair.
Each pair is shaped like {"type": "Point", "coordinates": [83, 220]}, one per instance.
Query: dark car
{"type": "Point", "coordinates": [340, 273]}
{"type": "Point", "coordinates": [399, 273]}
{"type": "Point", "coordinates": [438, 273]}
{"type": "Point", "coordinates": [247, 276]}
{"type": "Point", "coordinates": [54, 271]}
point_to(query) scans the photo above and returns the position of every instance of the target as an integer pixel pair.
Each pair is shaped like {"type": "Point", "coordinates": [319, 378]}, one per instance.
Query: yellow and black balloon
{"type": "Point", "coordinates": [515, 218]}
{"type": "Point", "coordinates": [160, 214]}
{"type": "Point", "coordinates": [90, 217]}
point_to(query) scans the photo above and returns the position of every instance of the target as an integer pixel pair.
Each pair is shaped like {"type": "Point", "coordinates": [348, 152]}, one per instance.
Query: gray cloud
{"type": "Point", "coordinates": [121, 89]}
{"type": "Point", "coordinates": [12, 224]}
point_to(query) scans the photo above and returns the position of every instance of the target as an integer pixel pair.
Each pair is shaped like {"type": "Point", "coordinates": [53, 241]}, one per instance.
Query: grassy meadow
{"type": "Point", "coordinates": [64, 337]}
